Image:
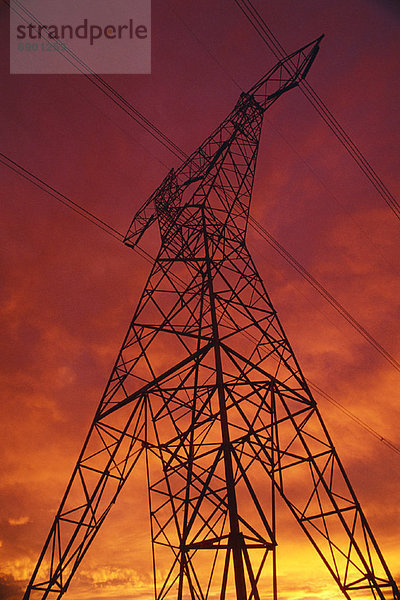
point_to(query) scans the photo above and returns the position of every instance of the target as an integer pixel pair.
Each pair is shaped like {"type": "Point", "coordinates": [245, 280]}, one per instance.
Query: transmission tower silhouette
{"type": "Point", "coordinates": [207, 391]}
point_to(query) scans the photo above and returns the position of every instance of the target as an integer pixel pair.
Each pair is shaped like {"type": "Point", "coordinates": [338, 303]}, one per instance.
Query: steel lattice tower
{"type": "Point", "coordinates": [207, 390]}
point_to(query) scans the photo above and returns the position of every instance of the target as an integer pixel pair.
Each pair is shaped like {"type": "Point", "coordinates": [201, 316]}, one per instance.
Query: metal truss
{"type": "Point", "coordinates": [207, 391]}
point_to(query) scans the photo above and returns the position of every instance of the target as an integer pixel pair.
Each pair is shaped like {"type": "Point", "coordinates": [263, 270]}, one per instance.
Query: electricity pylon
{"type": "Point", "coordinates": [207, 390]}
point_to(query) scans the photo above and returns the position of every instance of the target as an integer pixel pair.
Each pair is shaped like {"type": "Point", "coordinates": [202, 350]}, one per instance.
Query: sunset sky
{"type": "Point", "coordinates": [68, 290]}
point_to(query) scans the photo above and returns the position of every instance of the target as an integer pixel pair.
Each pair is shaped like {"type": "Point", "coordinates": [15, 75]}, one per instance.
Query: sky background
{"type": "Point", "coordinates": [68, 290]}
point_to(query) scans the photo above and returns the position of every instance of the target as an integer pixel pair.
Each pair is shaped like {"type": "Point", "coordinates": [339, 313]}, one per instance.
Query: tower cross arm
{"type": "Point", "coordinates": [146, 215]}
{"type": "Point", "coordinates": [285, 75]}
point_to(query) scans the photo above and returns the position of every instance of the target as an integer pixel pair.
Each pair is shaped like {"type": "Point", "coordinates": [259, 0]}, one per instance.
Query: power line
{"type": "Point", "coordinates": [63, 199]}
{"type": "Point", "coordinates": [329, 192]}
{"type": "Point", "coordinates": [354, 417]}
{"type": "Point", "coordinates": [259, 24]}
{"type": "Point", "coordinates": [29, 176]}
{"type": "Point", "coordinates": [99, 82]}
{"type": "Point", "coordinates": [323, 292]}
